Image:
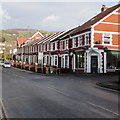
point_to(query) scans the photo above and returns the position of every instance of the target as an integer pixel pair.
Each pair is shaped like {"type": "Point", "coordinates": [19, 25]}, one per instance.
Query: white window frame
{"type": "Point", "coordinates": [60, 45]}
{"type": "Point", "coordinates": [103, 39]}
{"type": "Point", "coordinates": [67, 44]}
{"type": "Point", "coordinates": [63, 41]}
{"type": "Point", "coordinates": [73, 44]}
{"type": "Point", "coordinates": [53, 60]}
{"type": "Point", "coordinates": [56, 43]}
{"type": "Point", "coordinates": [48, 47]}
{"type": "Point", "coordinates": [63, 62]}
{"type": "Point", "coordinates": [87, 40]}
{"type": "Point", "coordinates": [55, 57]}
{"type": "Point", "coordinates": [80, 40]}
{"type": "Point", "coordinates": [45, 57]}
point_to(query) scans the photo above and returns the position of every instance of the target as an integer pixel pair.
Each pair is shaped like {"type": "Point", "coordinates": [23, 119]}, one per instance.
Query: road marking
{"type": "Point", "coordinates": [15, 75]}
{"type": "Point", "coordinates": [3, 110]}
{"type": "Point", "coordinates": [58, 91]}
{"type": "Point", "coordinates": [21, 77]}
{"type": "Point", "coordinates": [103, 108]}
{"type": "Point", "coordinates": [18, 76]}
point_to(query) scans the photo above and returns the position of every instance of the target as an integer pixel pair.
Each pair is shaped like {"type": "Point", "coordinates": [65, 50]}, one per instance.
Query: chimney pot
{"type": "Point", "coordinates": [103, 8]}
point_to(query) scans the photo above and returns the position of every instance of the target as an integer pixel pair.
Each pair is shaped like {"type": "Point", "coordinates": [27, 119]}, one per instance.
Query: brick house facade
{"type": "Point", "coordinates": [93, 47]}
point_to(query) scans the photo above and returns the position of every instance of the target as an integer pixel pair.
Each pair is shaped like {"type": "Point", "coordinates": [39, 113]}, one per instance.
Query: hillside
{"type": "Point", "coordinates": [23, 33]}
{"type": "Point", "coordinates": [9, 37]}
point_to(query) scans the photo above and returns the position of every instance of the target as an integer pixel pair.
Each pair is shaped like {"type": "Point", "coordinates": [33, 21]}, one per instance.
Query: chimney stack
{"type": "Point", "coordinates": [103, 8]}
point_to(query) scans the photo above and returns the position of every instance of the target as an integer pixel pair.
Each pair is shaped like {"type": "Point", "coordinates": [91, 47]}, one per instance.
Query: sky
{"type": "Point", "coordinates": [50, 16]}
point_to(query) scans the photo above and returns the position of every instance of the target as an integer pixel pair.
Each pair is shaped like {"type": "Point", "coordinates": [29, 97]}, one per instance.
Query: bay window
{"type": "Point", "coordinates": [65, 61]}
{"type": "Point", "coordinates": [80, 60]}
{"type": "Point", "coordinates": [113, 60]}
{"type": "Point", "coordinates": [54, 61]}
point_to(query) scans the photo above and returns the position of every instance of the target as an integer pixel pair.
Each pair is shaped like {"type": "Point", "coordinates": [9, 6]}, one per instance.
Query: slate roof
{"type": "Point", "coordinates": [95, 19]}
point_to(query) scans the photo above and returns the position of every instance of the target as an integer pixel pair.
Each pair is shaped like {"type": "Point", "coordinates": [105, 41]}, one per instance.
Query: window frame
{"type": "Point", "coordinates": [103, 39]}
{"type": "Point", "coordinates": [80, 38]}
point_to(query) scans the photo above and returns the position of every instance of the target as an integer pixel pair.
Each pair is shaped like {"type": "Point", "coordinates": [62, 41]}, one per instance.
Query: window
{"type": "Point", "coordinates": [47, 61]}
{"type": "Point", "coordinates": [49, 46]}
{"type": "Point", "coordinates": [107, 38]}
{"type": "Point", "coordinates": [56, 44]}
{"type": "Point", "coordinates": [53, 46]}
{"type": "Point", "coordinates": [80, 60]}
{"type": "Point", "coordinates": [39, 48]}
{"type": "Point", "coordinates": [74, 42]}
{"type": "Point", "coordinates": [67, 45]}
{"type": "Point", "coordinates": [45, 47]}
{"type": "Point", "coordinates": [63, 45]}
{"type": "Point", "coordinates": [113, 60]}
{"type": "Point", "coordinates": [65, 61]}
{"type": "Point", "coordinates": [52, 60]}
{"type": "Point", "coordinates": [62, 61]}
{"type": "Point", "coordinates": [86, 39]}
{"type": "Point", "coordinates": [55, 58]}
{"type": "Point", "coordinates": [80, 41]}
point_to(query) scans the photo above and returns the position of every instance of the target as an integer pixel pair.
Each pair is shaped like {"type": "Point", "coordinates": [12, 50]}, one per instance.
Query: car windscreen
{"type": "Point", "coordinates": [7, 63]}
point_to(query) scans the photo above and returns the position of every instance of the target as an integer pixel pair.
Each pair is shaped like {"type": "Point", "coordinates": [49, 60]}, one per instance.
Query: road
{"type": "Point", "coordinates": [32, 95]}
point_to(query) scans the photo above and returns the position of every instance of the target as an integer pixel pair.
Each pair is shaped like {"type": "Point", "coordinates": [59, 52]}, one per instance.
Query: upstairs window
{"type": "Point", "coordinates": [107, 38]}
{"type": "Point", "coordinates": [63, 45]}
{"type": "Point", "coordinates": [67, 44]}
{"type": "Point", "coordinates": [80, 41]}
{"type": "Point", "coordinates": [53, 46]}
{"type": "Point", "coordinates": [56, 45]}
{"type": "Point", "coordinates": [86, 39]}
{"type": "Point", "coordinates": [46, 47]}
{"type": "Point", "coordinates": [74, 42]}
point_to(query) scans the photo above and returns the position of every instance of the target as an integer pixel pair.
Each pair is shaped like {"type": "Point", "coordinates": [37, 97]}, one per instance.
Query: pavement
{"type": "Point", "coordinates": [114, 85]}
{"type": "Point", "coordinates": [32, 95]}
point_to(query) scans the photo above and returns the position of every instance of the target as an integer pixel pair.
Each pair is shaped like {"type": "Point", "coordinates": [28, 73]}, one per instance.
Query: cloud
{"type": "Point", "coordinates": [4, 14]}
{"type": "Point", "coordinates": [48, 15]}
{"type": "Point", "coordinates": [51, 19]}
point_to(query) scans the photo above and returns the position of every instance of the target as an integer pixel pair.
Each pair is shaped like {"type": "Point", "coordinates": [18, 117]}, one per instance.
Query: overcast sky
{"type": "Point", "coordinates": [51, 16]}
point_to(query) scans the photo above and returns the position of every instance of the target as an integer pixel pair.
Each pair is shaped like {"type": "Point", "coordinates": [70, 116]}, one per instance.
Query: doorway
{"type": "Point", "coordinates": [94, 64]}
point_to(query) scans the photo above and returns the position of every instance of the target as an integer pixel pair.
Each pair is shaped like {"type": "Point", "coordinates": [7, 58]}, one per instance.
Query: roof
{"type": "Point", "coordinates": [58, 35]}
{"type": "Point", "coordinates": [37, 34]}
{"type": "Point", "coordinates": [51, 37]}
{"type": "Point", "coordinates": [95, 19]}
{"type": "Point", "coordinates": [21, 40]}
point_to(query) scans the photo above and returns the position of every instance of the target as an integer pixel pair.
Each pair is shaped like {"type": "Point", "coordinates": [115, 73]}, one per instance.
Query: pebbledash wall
{"type": "Point", "coordinates": [93, 47]}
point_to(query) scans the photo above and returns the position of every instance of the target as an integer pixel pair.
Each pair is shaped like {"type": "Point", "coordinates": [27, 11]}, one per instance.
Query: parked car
{"type": "Point", "coordinates": [7, 65]}
{"type": "Point", "coordinates": [1, 63]}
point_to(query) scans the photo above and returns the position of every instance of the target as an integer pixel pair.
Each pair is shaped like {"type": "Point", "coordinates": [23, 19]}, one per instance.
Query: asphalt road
{"type": "Point", "coordinates": [32, 95]}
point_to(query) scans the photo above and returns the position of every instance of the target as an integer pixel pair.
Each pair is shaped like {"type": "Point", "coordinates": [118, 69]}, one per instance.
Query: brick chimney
{"type": "Point", "coordinates": [103, 8]}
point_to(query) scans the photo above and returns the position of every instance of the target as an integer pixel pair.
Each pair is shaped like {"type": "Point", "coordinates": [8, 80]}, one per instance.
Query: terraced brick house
{"type": "Point", "coordinates": [28, 49]}
{"type": "Point", "coordinates": [96, 43]}
{"type": "Point", "coordinates": [93, 47]}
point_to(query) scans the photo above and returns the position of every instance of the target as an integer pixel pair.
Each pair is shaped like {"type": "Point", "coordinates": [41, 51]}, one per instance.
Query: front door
{"type": "Point", "coordinates": [94, 64]}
